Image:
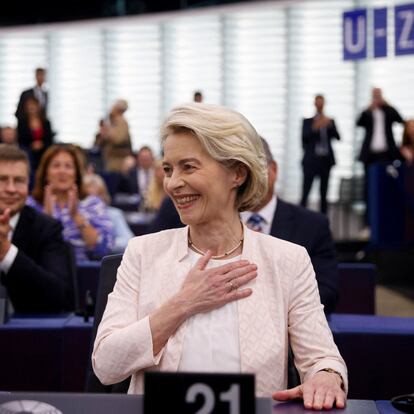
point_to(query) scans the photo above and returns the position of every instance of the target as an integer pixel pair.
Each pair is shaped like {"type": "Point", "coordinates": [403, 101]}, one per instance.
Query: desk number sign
{"type": "Point", "coordinates": [192, 393]}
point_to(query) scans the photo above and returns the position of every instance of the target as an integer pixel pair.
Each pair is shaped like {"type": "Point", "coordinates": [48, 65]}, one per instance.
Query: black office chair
{"type": "Point", "coordinates": [74, 291]}
{"type": "Point", "coordinates": [107, 278]}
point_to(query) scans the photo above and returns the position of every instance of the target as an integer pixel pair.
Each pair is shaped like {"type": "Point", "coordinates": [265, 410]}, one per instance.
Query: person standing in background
{"type": "Point", "coordinates": [378, 145]}
{"type": "Point", "coordinates": [34, 132]}
{"type": "Point", "coordinates": [116, 137]}
{"type": "Point", "coordinates": [38, 92]}
{"type": "Point", "coordinates": [377, 120]}
{"type": "Point", "coordinates": [318, 158]}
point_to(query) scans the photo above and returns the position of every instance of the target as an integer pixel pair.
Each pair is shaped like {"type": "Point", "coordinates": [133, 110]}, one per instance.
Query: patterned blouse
{"type": "Point", "coordinates": [95, 212]}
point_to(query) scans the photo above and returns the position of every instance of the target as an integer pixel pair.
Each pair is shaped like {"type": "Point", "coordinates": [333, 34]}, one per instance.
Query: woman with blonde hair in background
{"type": "Point", "coordinates": [95, 186]}
{"type": "Point", "coordinates": [155, 193]}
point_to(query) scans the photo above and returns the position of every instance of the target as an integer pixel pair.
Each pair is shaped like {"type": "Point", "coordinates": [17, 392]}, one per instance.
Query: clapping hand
{"type": "Point", "coordinates": [37, 145]}
{"type": "Point", "coordinates": [4, 232]}
{"type": "Point", "coordinates": [49, 200]}
{"type": "Point", "coordinates": [73, 200]}
{"type": "Point", "coordinates": [321, 121]}
{"type": "Point", "coordinates": [322, 391]}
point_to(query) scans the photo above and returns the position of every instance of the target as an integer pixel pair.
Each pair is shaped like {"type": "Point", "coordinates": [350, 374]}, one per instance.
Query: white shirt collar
{"type": "Point", "coordinates": [14, 220]}
{"type": "Point", "coordinates": [267, 212]}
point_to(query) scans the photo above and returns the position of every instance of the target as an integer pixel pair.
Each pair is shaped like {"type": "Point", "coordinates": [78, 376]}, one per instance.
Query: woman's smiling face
{"type": "Point", "coordinates": [202, 189]}
{"type": "Point", "coordinates": [61, 172]}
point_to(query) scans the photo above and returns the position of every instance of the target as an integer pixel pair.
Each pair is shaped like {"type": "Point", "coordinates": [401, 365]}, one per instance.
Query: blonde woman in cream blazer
{"type": "Point", "coordinates": [215, 295]}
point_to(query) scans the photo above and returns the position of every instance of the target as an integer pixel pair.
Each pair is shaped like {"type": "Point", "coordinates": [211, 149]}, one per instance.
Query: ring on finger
{"type": "Point", "coordinates": [233, 286]}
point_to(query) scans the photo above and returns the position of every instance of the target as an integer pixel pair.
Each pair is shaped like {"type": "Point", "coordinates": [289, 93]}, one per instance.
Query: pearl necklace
{"type": "Point", "coordinates": [221, 256]}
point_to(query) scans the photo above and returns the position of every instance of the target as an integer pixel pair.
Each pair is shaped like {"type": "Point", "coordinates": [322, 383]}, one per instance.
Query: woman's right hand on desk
{"type": "Point", "coordinates": [208, 289]}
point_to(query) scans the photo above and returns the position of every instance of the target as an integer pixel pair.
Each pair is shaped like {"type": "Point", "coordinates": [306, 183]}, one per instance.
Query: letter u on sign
{"type": "Point", "coordinates": [355, 34]}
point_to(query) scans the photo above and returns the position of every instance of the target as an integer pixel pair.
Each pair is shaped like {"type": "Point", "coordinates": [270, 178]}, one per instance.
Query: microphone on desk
{"type": "Point", "coordinates": [88, 309]}
{"type": "Point", "coordinates": [89, 306]}
{"type": "Point", "coordinates": [4, 316]}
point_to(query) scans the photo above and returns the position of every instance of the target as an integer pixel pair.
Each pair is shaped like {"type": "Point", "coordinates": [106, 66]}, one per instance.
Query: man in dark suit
{"type": "Point", "coordinates": [301, 226]}
{"type": "Point", "coordinates": [377, 120]}
{"type": "Point", "coordinates": [35, 262]}
{"type": "Point", "coordinates": [318, 158]}
{"type": "Point", "coordinates": [139, 177]}
{"type": "Point", "coordinates": [38, 92]}
{"type": "Point", "coordinates": [285, 221]}
{"type": "Point", "coordinates": [378, 145]}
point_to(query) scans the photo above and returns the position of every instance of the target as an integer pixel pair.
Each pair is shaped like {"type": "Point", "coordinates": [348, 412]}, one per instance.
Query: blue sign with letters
{"type": "Point", "coordinates": [380, 32]}
{"type": "Point", "coordinates": [404, 29]}
{"type": "Point", "coordinates": [355, 34]}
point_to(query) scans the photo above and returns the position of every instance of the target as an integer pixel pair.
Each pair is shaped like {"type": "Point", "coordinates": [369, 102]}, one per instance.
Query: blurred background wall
{"type": "Point", "coordinates": [265, 59]}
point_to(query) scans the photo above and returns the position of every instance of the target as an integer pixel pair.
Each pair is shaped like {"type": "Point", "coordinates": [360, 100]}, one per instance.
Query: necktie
{"type": "Point", "coordinates": [40, 96]}
{"type": "Point", "coordinates": [255, 222]}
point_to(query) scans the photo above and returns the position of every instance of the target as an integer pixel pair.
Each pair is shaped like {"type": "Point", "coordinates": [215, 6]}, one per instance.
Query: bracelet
{"type": "Point", "coordinates": [332, 371]}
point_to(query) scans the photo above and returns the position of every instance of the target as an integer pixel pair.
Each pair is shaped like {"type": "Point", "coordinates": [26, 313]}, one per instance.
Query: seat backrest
{"type": "Point", "coordinates": [74, 293]}
{"type": "Point", "coordinates": [107, 278]}
{"type": "Point", "coordinates": [357, 288]}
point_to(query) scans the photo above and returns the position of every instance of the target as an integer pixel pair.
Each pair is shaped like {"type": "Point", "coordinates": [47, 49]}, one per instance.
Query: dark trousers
{"type": "Point", "coordinates": [373, 158]}
{"type": "Point", "coordinates": [322, 171]}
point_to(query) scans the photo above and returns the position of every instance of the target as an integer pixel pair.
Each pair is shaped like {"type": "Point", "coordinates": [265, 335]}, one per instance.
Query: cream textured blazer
{"type": "Point", "coordinates": [285, 303]}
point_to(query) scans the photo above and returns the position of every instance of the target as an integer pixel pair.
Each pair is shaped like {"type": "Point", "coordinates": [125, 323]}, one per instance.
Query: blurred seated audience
{"type": "Point", "coordinates": [34, 132]}
{"type": "Point", "coordinates": [59, 192]}
{"type": "Point", "coordinates": [8, 135]}
{"type": "Point", "coordinates": [95, 186]}
{"type": "Point", "coordinates": [138, 178]}
{"type": "Point", "coordinates": [34, 259]}
{"type": "Point", "coordinates": [115, 138]}
{"type": "Point", "coordinates": [407, 147]}
{"type": "Point", "coordinates": [155, 193]}
{"type": "Point", "coordinates": [198, 96]}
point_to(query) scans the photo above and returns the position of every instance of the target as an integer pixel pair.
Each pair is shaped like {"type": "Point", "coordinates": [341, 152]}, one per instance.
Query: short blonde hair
{"type": "Point", "coordinates": [99, 183]}
{"type": "Point", "coordinates": [230, 139]}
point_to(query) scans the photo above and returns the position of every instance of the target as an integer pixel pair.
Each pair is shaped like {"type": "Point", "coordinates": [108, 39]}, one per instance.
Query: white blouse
{"type": "Point", "coordinates": [211, 342]}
